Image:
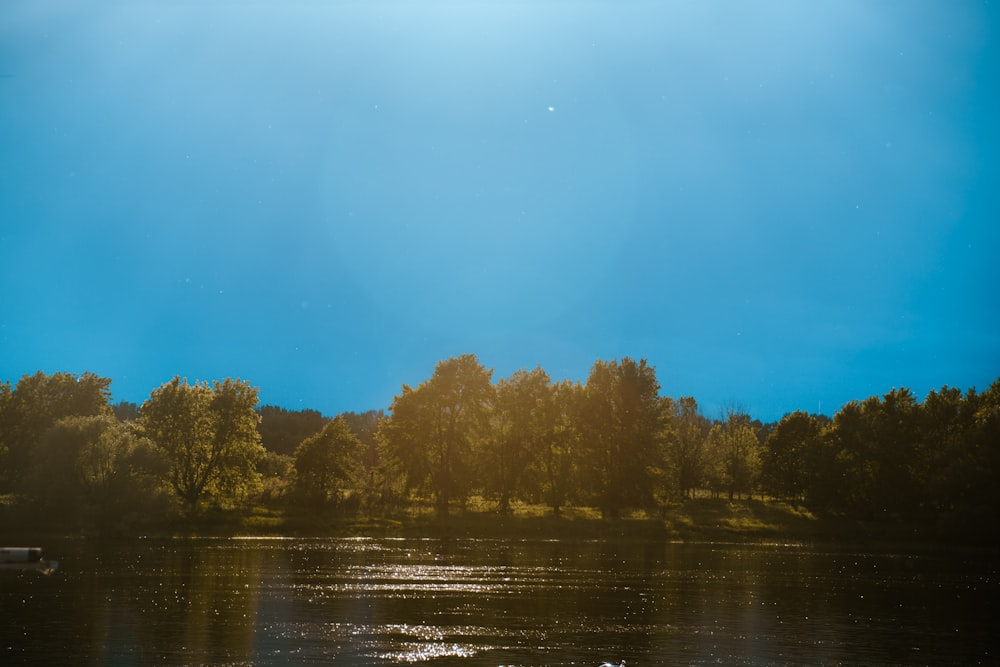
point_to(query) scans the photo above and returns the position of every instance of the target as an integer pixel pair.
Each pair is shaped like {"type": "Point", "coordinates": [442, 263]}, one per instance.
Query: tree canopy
{"type": "Point", "coordinates": [613, 443]}
{"type": "Point", "coordinates": [326, 463]}
{"type": "Point", "coordinates": [434, 428]}
{"type": "Point", "coordinates": [208, 434]}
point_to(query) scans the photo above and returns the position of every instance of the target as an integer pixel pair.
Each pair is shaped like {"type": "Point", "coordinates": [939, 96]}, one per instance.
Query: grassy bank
{"type": "Point", "coordinates": [695, 520]}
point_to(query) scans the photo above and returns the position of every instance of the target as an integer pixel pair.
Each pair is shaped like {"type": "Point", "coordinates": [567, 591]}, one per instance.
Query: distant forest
{"type": "Point", "coordinates": [70, 456]}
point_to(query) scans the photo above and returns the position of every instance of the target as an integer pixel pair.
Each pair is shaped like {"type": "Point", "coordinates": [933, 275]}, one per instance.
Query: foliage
{"type": "Point", "coordinates": [209, 435]}
{"type": "Point", "coordinates": [373, 483]}
{"type": "Point", "coordinates": [276, 472]}
{"type": "Point", "coordinates": [95, 471]}
{"type": "Point", "coordinates": [686, 440]}
{"type": "Point", "coordinates": [125, 411]}
{"type": "Point", "coordinates": [34, 405]}
{"type": "Point", "coordinates": [326, 464]}
{"type": "Point", "coordinates": [621, 424]}
{"type": "Point", "coordinates": [612, 442]}
{"type": "Point", "coordinates": [433, 428]}
{"type": "Point", "coordinates": [282, 430]}
{"type": "Point", "coordinates": [521, 425]}
{"type": "Point", "coordinates": [559, 458]}
{"type": "Point", "coordinates": [784, 457]}
{"type": "Point", "coordinates": [733, 461]}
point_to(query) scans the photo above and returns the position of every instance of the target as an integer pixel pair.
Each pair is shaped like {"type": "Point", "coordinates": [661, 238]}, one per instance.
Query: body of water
{"type": "Point", "coordinates": [496, 602]}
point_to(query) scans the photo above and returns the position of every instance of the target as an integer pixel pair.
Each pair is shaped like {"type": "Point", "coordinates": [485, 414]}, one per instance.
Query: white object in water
{"type": "Point", "coordinates": [611, 664]}
{"type": "Point", "coordinates": [25, 558]}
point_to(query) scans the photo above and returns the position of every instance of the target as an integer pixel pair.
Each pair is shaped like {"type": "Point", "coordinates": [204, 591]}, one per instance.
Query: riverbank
{"type": "Point", "coordinates": [693, 520]}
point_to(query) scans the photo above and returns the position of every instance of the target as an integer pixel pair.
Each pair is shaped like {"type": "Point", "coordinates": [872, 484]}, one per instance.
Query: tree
{"type": "Point", "coordinates": [95, 471]}
{"type": "Point", "coordinates": [236, 437]}
{"type": "Point", "coordinates": [621, 425]}
{"type": "Point", "coordinates": [282, 430]}
{"type": "Point", "coordinates": [945, 422]}
{"type": "Point", "coordinates": [895, 423]}
{"type": "Point", "coordinates": [209, 435]}
{"type": "Point", "coordinates": [374, 481]}
{"type": "Point", "coordinates": [984, 457]}
{"type": "Point", "coordinates": [972, 490]}
{"type": "Point", "coordinates": [432, 429]}
{"type": "Point", "coordinates": [326, 463]}
{"type": "Point", "coordinates": [125, 411]}
{"type": "Point", "coordinates": [6, 421]}
{"type": "Point", "coordinates": [875, 441]}
{"type": "Point", "coordinates": [35, 405]}
{"type": "Point", "coordinates": [783, 460]}
{"type": "Point", "coordinates": [735, 456]}
{"type": "Point", "coordinates": [521, 423]}
{"type": "Point", "coordinates": [686, 441]}
{"type": "Point", "coordinates": [560, 449]}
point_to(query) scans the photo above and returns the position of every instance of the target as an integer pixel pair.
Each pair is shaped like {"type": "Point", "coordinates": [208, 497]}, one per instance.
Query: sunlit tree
{"type": "Point", "coordinates": [621, 424]}
{"type": "Point", "coordinates": [371, 482]}
{"type": "Point", "coordinates": [209, 434]}
{"type": "Point", "coordinates": [686, 443]}
{"type": "Point", "coordinates": [559, 456]}
{"type": "Point", "coordinates": [326, 464]}
{"type": "Point", "coordinates": [734, 456]}
{"type": "Point", "coordinates": [433, 428]}
{"type": "Point", "coordinates": [521, 423]}
{"type": "Point", "coordinates": [34, 405]}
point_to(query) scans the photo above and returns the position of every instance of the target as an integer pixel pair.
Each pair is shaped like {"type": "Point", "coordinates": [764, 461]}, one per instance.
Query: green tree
{"type": "Point", "coordinates": [125, 411]}
{"type": "Point", "coordinates": [33, 406]}
{"type": "Point", "coordinates": [984, 452]}
{"type": "Point", "coordinates": [621, 423]}
{"type": "Point", "coordinates": [94, 471]}
{"type": "Point", "coordinates": [6, 421]}
{"type": "Point", "coordinates": [521, 423]}
{"type": "Point", "coordinates": [326, 464]}
{"type": "Point", "coordinates": [371, 488]}
{"type": "Point", "coordinates": [433, 428]}
{"type": "Point", "coordinates": [560, 450]}
{"type": "Point", "coordinates": [875, 444]}
{"type": "Point", "coordinates": [783, 459]}
{"type": "Point", "coordinates": [277, 474]}
{"type": "Point", "coordinates": [895, 423]}
{"type": "Point", "coordinates": [824, 469]}
{"type": "Point", "coordinates": [209, 434]}
{"type": "Point", "coordinates": [851, 475]}
{"type": "Point", "coordinates": [735, 456]}
{"type": "Point", "coordinates": [282, 430]}
{"type": "Point", "coordinates": [686, 443]}
{"type": "Point", "coordinates": [974, 472]}
{"type": "Point", "coordinates": [947, 419]}
{"type": "Point", "coordinates": [385, 485]}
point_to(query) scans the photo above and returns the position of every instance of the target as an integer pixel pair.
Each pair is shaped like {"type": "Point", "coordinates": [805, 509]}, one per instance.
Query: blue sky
{"type": "Point", "coordinates": [780, 205]}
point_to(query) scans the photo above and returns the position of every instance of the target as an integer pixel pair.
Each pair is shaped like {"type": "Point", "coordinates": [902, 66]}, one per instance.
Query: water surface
{"type": "Point", "coordinates": [496, 602]}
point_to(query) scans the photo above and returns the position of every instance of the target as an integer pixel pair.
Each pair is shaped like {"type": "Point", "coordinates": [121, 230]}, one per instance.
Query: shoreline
{"type": "Point", "coordinates": [696, 520]}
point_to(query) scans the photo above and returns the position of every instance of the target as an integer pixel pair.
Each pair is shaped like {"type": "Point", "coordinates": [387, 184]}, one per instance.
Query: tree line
{"type": "Point", "coordinates": [612, 442]}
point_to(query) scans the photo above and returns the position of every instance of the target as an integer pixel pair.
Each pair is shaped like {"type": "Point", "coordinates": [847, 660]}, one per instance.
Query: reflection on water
{"type": "Point", "coordinates": [495, 602]}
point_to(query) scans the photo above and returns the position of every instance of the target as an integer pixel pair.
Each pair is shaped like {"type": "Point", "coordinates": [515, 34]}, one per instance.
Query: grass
{"type": "Point", "coordinates": [693, 520]}
{"type": "Point", "coordinates": [700, 519]}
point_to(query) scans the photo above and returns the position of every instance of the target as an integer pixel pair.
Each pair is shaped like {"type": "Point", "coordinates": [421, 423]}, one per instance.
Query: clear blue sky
{"type": "Point", "coordinates": [781, 205]}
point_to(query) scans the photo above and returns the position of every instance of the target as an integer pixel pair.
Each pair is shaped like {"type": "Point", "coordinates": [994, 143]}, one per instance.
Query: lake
{"type": "Point", "coordinates": [261, 601]}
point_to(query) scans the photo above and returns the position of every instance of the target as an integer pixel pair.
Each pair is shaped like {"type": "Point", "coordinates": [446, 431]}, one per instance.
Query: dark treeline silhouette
{"type": "Point", "coordinates": [67, 455]}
